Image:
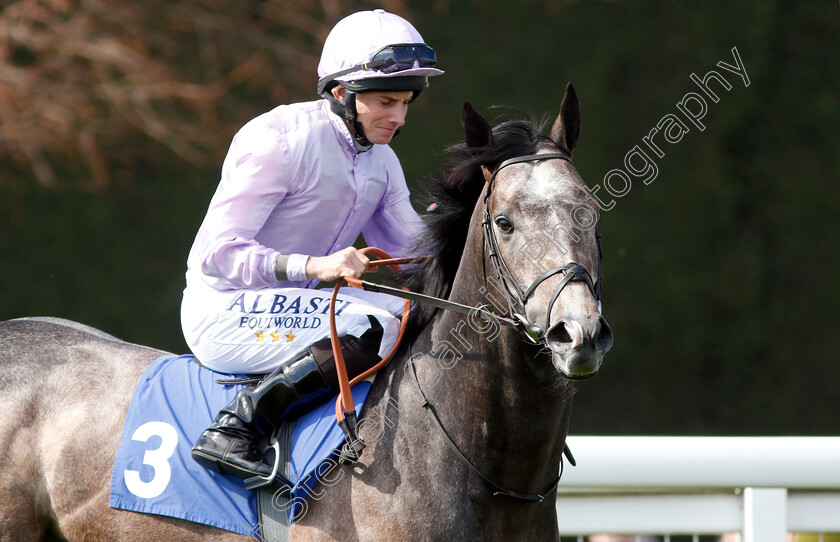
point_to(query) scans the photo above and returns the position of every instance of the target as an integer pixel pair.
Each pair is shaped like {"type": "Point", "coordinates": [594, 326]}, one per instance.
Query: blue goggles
{"type": "Point", "coordinates": [390, 59]}
{"type": "Point", "coordinates": [399, 57]}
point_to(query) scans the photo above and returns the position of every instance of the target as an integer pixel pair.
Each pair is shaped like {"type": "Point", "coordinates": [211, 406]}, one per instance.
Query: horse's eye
{"type": "Point", "coordinates": [504, 225]}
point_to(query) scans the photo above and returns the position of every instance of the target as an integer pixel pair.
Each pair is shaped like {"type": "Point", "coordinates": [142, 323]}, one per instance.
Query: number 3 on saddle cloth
{"type": "Point", "coordinates": [174, 401]}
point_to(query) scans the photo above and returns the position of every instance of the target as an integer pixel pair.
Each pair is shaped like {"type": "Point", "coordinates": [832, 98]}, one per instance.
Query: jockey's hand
{"type": "Point", "coordinates": [348, 262]}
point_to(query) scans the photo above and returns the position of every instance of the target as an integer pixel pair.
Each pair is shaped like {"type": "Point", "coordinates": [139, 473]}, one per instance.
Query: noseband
{"type": "Point", "coordinates": [515, 296]}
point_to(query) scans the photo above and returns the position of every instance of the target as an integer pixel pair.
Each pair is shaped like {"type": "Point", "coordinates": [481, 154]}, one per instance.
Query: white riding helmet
{"type": "Point", "coordinates": [373, 50]}
{"type": "Point", "coordinates": [375, 45]}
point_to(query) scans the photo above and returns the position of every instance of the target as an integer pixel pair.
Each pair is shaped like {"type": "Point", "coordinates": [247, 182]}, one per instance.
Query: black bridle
{"type": "Point", "coordinates": [515, 296]}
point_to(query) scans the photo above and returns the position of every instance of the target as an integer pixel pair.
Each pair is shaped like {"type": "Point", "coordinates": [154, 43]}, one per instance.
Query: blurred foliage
{"type": "Point", "coordinates": [719, 275]}
{"type": "Point", "coordinates": [93, 88]}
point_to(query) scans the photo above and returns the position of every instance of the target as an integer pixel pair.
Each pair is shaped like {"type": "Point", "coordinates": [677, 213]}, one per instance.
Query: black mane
{"type": "Point", "coordinates": [454, 194]}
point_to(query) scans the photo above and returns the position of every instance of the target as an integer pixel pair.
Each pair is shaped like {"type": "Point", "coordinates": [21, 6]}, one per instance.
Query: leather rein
{"type": "Point", "coordinates": [516, 298]}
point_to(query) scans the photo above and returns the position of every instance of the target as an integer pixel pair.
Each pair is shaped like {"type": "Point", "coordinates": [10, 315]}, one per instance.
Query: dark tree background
{"type": "Point", "coordinates": [720, 273]}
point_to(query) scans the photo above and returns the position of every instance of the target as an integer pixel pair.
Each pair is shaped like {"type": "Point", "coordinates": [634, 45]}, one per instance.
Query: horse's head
{"type": "Point", "coordinates": [541, 240]}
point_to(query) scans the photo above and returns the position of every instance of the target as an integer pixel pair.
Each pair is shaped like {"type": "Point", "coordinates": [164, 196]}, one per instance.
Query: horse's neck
{"type": "Point", "coordinates": [499, 406]}
{"type": "Point", "coordinates": [505, 411]}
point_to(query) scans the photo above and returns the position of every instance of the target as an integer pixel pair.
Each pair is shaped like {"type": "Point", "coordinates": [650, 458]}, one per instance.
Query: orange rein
{"type": "Point", "coordinates": [345, 396]}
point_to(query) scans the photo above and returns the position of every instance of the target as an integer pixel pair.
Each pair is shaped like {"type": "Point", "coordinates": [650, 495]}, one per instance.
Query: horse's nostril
{"type": "Point", "coordinates": [570, 333]}
{"type": "Point", "coordinates": [604, 336]}
{"type": "Point", "coordinates": [559, 334]}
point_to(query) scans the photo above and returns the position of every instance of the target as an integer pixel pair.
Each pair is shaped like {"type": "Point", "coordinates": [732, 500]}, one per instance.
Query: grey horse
{"type": "Point", "coordinates": [474, 414]}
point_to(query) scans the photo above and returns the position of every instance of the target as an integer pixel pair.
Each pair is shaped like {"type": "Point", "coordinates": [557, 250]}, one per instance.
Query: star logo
{"type": "Point", "coordinates": [260, 336]}
{"type": "Point", "coordinates": [275, 337]}
{"type": "Point", "coordinates": [290, 337]}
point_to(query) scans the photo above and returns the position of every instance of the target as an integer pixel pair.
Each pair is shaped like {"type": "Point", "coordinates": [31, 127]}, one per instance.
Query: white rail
{"type": "Point", "coordinates": [762, 487]}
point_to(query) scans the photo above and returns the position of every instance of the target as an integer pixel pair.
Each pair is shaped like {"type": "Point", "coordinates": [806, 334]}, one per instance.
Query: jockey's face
{"type": "Point", "coordinates": [380, 112]}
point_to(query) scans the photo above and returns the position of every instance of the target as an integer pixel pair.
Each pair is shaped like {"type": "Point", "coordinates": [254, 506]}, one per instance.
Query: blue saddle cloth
{"type": "Point", "coordinates": [175, 400]}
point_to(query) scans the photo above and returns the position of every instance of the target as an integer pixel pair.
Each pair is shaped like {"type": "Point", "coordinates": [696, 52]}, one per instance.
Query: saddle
{"type": "Point", "coordinates": [174, 401]}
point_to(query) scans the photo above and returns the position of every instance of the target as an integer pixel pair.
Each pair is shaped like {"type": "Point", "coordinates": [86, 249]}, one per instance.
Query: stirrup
{"type": "Point", "coordinates": [259, 480]}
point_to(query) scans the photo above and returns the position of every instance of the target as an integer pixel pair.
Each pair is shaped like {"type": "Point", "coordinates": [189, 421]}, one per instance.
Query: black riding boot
{"type": "Point", "coordinates": [228, 447]}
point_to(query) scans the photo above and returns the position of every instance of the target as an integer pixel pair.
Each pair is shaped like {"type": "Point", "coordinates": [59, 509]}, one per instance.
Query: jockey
{"type": "Point", "coordinates": [298, 186]}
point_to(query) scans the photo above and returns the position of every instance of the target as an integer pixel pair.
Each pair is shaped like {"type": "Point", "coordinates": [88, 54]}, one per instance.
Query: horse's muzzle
{"type": "Point", "coordinates": [578, 345]}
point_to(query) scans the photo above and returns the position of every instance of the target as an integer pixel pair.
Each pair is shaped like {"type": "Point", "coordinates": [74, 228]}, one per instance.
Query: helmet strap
{"type": "Point", "coordinates": [356, 128]}
{"type": "Point", "coordinates": [347, 111]}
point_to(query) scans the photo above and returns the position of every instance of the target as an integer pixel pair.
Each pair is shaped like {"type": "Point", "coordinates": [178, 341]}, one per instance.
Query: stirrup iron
{"type": "Point", "coordinates": [259, 481]}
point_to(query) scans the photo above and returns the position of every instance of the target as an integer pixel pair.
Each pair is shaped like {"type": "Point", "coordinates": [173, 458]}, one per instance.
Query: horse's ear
{"type": "Point", "coordinates": [566, 129]}
{"type": "Point", "coordinates": [477, 131]}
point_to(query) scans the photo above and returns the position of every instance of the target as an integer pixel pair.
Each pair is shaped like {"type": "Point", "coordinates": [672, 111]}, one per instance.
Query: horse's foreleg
{"type": "Point", "coordinates": [19, 518]}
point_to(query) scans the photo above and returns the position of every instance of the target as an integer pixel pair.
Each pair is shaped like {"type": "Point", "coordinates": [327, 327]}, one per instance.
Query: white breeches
{"type": "Point", "coordinates": [255, 331]}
